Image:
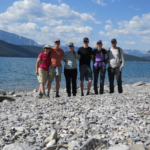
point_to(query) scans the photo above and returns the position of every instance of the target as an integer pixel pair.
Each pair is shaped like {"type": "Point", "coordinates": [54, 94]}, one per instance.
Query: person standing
{"type": "Point", "coordinates": [116, 63]}
{"type": "Point", "coordinates": [55, 68]}
{"type": "Point", "coordinates": [42, 66]}
{"type": "Point", "coordinates": [70, 69]}
{"type": "Point", "coordinates": [99, 65]}
{"type": "Point", "coordinates": [85, 53]}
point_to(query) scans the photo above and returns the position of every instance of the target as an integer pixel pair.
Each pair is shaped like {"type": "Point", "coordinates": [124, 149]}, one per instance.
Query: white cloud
{"type": "Point", "coordinates": [108, 27]}
{"type": "Point", "coordinates": [137, 26]}
{"type": "Point", "coordinates": [100, 2]}
{"type": "Point", "coordinates": [27, 11]}
{"type": "Point", "coordinates": [108, 21]}
{"type": "Point", "coordinates": [130, 42]}
{"type": "Point", "coordinates": [47, 34]}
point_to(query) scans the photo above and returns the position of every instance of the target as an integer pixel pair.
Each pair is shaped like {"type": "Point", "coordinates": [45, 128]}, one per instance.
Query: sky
{"type": "Point", "coordinates": [71, 20]}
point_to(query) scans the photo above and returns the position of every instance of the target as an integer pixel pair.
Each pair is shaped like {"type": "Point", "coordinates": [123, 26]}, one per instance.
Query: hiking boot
{"type": "Point", "coordinates": [69, 94]}
{"type": "Point", "coordinates": [40, 96]}
{"type": "Point", "coordinates": [57, 95]}
{"type": "Point", "coordinates": [87, 93]}
{"type": "Point", "coordinates": [82, 94]}
{"type": "Point", "coordinates": [46, 96]}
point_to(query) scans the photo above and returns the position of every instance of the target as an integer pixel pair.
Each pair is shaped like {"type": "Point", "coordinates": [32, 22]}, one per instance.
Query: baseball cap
{"type": "Point", "coordinates": [70, 44]}
{"type": "Point", "coordinates": [85, 39]}
{"type": "Point", "coordinates": [47, 46]}
{"type": "Point", "coordinates": [99, 41]}
{"type": "Point", "coordinates": [57, 40]}
{"type": "Point", "coordinates": [113, 40]}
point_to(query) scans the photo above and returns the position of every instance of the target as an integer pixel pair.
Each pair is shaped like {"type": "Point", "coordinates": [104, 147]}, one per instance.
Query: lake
{"type": "Point", "coordinates": [17, 74]}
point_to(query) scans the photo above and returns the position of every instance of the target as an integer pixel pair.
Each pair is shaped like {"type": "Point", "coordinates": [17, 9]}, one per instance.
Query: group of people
{"type": "Point", "coordinates": [48, 67]}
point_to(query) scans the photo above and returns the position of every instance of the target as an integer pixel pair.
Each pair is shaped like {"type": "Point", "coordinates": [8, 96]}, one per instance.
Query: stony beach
{"type": "Point", "coordinates": [94, 122]}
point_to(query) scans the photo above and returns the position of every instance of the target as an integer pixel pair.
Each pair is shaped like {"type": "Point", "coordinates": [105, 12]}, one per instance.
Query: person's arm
{"type": "Point", "coordinates": [122, 59]}
{"type": "Point", "coordinates": [37, 65]}
{"type": "Point", "coordinates": [77, 56]}
{"type": "Point", "coordinates": [64, 57]}
{"type": "Point", "coordinates": [92, 56]}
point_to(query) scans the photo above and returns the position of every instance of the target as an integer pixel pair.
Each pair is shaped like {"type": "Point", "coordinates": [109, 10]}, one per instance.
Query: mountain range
{"type": "Point", "coordinates": [14, 39]}
{"type": "Point", "coordinates": [11, 50]}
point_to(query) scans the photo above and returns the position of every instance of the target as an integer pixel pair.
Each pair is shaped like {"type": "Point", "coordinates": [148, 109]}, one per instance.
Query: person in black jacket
{"type": "Point", "coordinates": [99, 65]}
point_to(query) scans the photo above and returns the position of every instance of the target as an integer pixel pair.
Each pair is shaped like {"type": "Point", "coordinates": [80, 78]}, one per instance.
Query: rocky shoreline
{"type": "Point", "coordinates": [94, 122]}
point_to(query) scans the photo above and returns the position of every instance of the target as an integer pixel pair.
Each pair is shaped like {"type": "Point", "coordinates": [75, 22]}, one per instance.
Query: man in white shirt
{"type": "Point", "coordinates": [116, 63]}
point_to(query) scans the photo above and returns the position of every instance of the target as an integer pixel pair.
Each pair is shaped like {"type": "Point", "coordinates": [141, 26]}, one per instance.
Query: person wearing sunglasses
{"type": "Point", "coordinates": [70, 69]}
{"type": "Point", "coordinates": [55, 68]}
{"type": "Point", "coordinates": [85, 53]}
{"type": "Point", "coordinates": [99, 65]}
{"type": "Point", "coordinates": [116, 64]}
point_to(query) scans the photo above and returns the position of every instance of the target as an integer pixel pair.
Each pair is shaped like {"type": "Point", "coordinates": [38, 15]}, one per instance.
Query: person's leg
{"type": "Point", "coordinates": [58, 79]}
{"type": "Point", "coordinates": [89, 77]}
{"type": "Point", "coordinates": [67, 76]}
{"type": "Point", "coordinates": [74, 81]}
{"type": "Point", "coordinates": [96, 73]}
{"type": "Point", "coordinates": [111, 79]}
{"type": "Point", "coordinates": [82, 74]}
{"type": "Point", "coordinates": [102, 79]}
{"type": "Point", "coordinates": [42, 88]}
{"type": "Point", "coordinates": [50, 79]}
{"type": "Point", "coordinates": [49, 86]}
{"type": "Point", "coordinates": [119, 80]}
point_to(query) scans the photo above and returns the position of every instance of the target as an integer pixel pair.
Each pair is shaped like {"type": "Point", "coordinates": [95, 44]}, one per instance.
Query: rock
{"type": "Point", "coordinates": [51, 143]}
{"type": "Point", "coordinates": [17, 146]}
{"type": "Point", "coordinates": [119, 148]}
{"type": "Point", "coordinates": [35, 90]}
{"type": "Point", "coordinates": [2, 92]}
{"type": "Point", "coordinates": [53, 136]}
{"type": "Point", "coordinates": [92, 144]}
{"type": "Point", "coordinates": [137, 147]}
{"type": "Point", "coordinates": [6, 101]}
{"type": "Point", "coordinates": [17, 95]}
{"type": "Point", "coordinates": [11, 92]}
{"type": "Point", "coordinates": [19, 129]}
{"type": "Point", "coordinates": [139, 84]}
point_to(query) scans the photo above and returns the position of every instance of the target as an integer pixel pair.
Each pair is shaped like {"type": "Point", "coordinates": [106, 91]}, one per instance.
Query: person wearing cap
{"type": "Point", "coordinates": [55, 68]}
{"type": "Point", "coordinates": [85, 53]}
{"type": "Point", "coordinates": [70, 69]}
{"type": "Point", "coordinates": [42, 66]}
{"type": "Point", "coordinates": [99, 65]}
{"type": "Point", "coordinates": [116, 63]}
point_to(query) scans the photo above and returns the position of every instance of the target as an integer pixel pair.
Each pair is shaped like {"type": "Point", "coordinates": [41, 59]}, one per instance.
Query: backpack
{"type": "Point", "coordinates": [95, 52]}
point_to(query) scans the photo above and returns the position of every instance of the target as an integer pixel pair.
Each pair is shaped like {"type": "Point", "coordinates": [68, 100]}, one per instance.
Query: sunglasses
{"type": "Point", "coordinates": [57, 42]}
{"type": "Point", "coordinates": [70, 46]}
{"type": "Point", "coordinates": [99, 43]}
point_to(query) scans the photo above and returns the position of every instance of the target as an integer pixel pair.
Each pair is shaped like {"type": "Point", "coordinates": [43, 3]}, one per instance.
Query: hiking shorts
{"type": "Point", "coordinates": [85, 72]}
{"type": "Point", "coordinates": [52, 75]}
{"type": "Point", "coordinates": [42, 76]}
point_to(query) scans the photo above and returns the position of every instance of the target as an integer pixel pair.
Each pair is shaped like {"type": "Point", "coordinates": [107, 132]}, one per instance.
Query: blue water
{"type": "Point", "coordinates": [17, 74]}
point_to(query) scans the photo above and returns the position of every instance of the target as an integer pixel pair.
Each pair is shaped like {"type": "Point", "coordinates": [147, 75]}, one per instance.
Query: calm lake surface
{"type": "Point", "coordinates": [17, 74]}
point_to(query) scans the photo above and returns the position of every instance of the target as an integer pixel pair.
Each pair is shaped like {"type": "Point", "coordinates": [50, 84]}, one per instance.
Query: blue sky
{"type": "Point", "coordinates": [72, 20]}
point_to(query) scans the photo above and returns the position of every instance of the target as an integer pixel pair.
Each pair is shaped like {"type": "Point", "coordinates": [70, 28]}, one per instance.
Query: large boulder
{"type": "Point", "coordinates": [139, 83]}
{"type": "Point", "coordinates": [53, 136]}
{"type": "Point", "coordinates": [2, 92]}
{"type": "Point", "coordinates": [137, 147]}
{"type": "Point", "coordinates": [17, 146]}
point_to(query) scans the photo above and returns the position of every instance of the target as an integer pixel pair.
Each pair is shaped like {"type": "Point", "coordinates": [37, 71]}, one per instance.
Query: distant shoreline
{"type": "Point", "coordinates": [37, 56]}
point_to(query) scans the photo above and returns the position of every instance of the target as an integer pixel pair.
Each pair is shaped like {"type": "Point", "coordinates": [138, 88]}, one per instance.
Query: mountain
{"type": "Point", "coordinates": [147, 55]}
{"type": "Point", "coordinates": [133, 52]}
{"type": "Point", "coordinates": [11, 50]}
{"type": "Point", "coordinates": [16, 39]}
